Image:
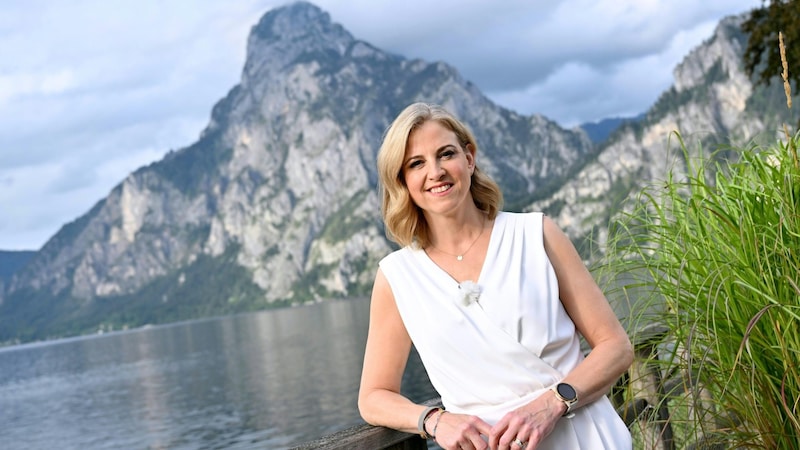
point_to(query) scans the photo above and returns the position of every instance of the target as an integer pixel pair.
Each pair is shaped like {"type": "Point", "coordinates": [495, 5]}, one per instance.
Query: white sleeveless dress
{"type": "Point", "coordinates": [496, 344]}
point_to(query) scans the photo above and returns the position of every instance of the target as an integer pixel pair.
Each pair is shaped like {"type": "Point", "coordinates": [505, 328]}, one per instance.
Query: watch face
{"type": "Point", "coordinates": [566, 391]}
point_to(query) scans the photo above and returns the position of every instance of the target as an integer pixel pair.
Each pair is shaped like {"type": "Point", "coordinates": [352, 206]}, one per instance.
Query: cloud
{"type": "Point", "coordinates": [578, 92]}
{"type": "Point", "coordinates": [510, 45]}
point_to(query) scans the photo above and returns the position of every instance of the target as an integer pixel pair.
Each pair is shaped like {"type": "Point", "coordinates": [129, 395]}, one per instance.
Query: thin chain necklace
{"type": "Point", "coordinates": [461, 256]}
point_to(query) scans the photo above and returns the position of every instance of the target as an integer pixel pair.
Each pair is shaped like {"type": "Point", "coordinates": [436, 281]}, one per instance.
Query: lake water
{"type": "Point", "coordinates": [270, 379]}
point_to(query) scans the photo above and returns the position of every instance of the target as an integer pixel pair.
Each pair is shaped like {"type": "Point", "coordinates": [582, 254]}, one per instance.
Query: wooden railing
{"type": "Point", "coordinates": [640, 399]}
{"type": "Point", "coordinates": [368, 437]}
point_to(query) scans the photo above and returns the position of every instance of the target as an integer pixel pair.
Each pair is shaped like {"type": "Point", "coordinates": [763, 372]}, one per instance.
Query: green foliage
{"type": "Point", "coordinates": [309, 286]}
{"type": "Point", "coordinates": [12, 261]}
{"type": "Point", "coordinates": [671, 100]}
{"type": "Point", "coordinates": [343, 224]}
{"type": "Point", "coordinates": [209, 286]}
{"type": "Point", "coordinates": [27, 314]}
{"type": "Point", "coordinates": [762, 55]}
{"type": "Point", "coordinates": [191, 169]}
{"type": "Point", "coordinates": [714, 259]}
{"type": "Point", "coordinates": [767, 103]}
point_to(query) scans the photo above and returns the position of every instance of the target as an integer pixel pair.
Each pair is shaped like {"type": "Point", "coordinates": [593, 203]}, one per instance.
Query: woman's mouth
{"type": "Point", "coordinates": [440, 189]}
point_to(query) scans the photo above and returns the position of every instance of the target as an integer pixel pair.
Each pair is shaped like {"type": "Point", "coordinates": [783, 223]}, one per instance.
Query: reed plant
{"type": "Point", "coordinates": [714, 257]}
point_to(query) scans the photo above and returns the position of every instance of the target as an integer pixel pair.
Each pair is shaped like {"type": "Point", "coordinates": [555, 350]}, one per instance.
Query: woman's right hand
{"type": "Point", "coordinates": [461, 431]}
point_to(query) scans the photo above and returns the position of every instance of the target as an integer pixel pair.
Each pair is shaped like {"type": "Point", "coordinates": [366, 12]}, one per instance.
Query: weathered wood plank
{"type": "Point", "coordinates": [367, 437]}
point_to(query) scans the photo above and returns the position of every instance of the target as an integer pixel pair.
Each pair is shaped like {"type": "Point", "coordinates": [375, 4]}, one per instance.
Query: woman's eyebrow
{"type": "Point", "coordinates": [443, 147]}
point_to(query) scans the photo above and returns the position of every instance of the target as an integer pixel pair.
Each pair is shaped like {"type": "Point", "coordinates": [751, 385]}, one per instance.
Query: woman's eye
{"type": "Point", "coordinates": [414, 164]}
{"type": "Point", "coordinates": [447, 154]}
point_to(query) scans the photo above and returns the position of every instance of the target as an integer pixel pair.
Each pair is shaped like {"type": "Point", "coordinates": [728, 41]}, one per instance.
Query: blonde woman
{"type": "Point", "coordinates": [493, 302]}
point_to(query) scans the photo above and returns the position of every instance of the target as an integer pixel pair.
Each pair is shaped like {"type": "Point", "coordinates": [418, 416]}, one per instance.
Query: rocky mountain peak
{"type": "Point", "coordinates": [299, 32]}
{"type": "Point", "coordinates": [723, 50]}
{"type": "Point", "coordinates": [297, 21]}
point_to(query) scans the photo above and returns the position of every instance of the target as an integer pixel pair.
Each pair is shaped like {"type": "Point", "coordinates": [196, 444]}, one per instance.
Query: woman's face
{"type": "Point", "coordinates": [436, 170]}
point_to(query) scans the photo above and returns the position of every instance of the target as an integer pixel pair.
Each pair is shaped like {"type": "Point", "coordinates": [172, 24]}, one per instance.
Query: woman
{"type": "Point", "coordinates": [493, 302]}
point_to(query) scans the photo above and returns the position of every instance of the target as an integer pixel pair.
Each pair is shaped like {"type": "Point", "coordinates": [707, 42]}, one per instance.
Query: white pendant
{"type": "Point", "coordinates": [460, 257]}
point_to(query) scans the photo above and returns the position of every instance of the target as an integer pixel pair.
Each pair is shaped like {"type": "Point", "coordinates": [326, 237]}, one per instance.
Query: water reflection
{"type": "Point", "coordinates": [278, 378]}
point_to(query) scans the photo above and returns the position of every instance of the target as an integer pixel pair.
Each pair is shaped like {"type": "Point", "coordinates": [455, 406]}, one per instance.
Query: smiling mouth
{"type": "Point", "coordinates": [440, 189]}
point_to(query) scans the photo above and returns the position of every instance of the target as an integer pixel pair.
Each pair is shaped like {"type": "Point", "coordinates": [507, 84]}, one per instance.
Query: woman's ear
{"type": "Point", "coordinates": [469, 151]}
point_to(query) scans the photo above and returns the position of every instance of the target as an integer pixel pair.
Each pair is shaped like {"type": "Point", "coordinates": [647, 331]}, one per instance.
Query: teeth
{"type": "Point", "coordinates": [440, 189]}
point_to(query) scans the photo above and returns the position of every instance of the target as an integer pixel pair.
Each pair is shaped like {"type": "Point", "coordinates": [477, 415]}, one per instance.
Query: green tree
{"type": "Point", "coordinates": [762, 56]}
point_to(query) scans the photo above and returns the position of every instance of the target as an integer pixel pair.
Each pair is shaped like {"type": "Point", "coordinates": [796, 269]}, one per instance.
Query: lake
{"type": "Point", "coordinates": [270, 379]}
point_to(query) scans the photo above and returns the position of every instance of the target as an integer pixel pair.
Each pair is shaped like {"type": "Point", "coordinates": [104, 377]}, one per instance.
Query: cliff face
{"type": "Point", "coordinates": [711, 103]}
{"type": "Point", "coordinates": [277, 202]}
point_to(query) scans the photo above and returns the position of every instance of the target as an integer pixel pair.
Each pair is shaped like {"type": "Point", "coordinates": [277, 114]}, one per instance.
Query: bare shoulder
{"type": "Point", "coordinates": [382, 294]}
{"type": "Point", "coordinates": [556, 241]}
{"type": "Point", "coordinates": [384, 315]}
{"type": "Point", "coordinates": [388, 342]}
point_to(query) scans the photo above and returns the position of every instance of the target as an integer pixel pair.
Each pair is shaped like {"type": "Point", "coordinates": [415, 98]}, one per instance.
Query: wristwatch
{"type": "Point", "coordinates": [567, 394]}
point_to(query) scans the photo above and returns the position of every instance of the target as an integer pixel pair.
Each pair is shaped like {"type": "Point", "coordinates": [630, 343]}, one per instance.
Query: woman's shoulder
{"type": "Point", "coordinates": [521, 218]}
{"type": "Point", "coordinates": [399, 255]}
{"type": "Point", "coordinates": [521, 215]}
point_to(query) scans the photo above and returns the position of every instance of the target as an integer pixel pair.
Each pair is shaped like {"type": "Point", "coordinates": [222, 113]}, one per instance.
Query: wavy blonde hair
{"type": "Point", "coordinates": [404, 220]}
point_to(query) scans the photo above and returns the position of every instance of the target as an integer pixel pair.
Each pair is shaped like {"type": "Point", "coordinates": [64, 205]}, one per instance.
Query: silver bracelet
{"type": "Point", "coordinates": [421, 422]}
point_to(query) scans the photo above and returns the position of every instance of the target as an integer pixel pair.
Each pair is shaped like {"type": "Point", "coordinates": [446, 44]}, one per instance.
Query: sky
{"type": "Point", "coordinates": [91, 90]}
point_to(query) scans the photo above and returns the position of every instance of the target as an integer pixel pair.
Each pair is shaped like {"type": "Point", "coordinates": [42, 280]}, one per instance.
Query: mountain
{"type": "Point", "coordinates": [600, 131]}
{"type": "Point", "coordinates": [712, 103]}
{"type": "Point", "coordinates": [11, 262]}
{"type": "Point", "coordinates": [276, 203]}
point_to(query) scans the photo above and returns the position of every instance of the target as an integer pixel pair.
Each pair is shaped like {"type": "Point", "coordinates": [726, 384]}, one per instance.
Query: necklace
{"type": "Point", "coordinates": [461, 256]}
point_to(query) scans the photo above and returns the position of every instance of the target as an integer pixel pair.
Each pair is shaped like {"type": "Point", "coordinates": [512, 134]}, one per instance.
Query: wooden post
{"type": "Point", "coordinates": [645, 384]}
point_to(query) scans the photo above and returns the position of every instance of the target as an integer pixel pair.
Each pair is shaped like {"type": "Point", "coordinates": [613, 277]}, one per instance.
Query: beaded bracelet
{"type": "Point", "coordinates": [421, 422]}
{"type": "Point", "coordinates": [436, 424]}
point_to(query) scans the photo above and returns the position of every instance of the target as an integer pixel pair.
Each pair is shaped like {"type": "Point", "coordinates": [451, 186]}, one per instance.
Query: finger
{"type": "Point", "coordinates": [496, 432]}
{"type": "Point", "coordinates": [478, 443]}
{"type": "Point", "coordinates": [475, 436]}
{"type": "Point", "coordinates": [484, 428]}
{"type": "Point", "coordinates": [518, 444]}
{"type": "Point", "coordinates": [466, 445]}
{"type": "Point", "coordinates": [512, 441]}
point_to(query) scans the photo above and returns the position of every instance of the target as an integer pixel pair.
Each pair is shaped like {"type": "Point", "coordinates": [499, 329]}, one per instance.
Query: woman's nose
{"type": "Point", "coordinates": [436, 171]}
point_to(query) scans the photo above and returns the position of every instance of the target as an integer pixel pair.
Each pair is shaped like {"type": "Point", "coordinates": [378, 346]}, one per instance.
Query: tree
{"type": "Point", "coordinates": [762, 56]}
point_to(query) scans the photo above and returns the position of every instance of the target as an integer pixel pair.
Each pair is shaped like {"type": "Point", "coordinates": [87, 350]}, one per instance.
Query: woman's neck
{"type": "Point", "coordinates": [453, 234]}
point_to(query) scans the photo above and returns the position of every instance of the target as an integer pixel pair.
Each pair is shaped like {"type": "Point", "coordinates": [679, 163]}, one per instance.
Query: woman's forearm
{"type": "Point", "coordinates": [603, 366]}
{"type": "Point", "coordinates": [390, 409]}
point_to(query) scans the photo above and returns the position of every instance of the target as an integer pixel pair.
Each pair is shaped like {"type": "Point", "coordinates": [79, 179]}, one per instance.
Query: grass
{"type": "Point", "coordinates": [715, 258]}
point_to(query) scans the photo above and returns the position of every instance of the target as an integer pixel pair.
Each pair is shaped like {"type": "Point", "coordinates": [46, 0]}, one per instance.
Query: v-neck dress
{"type": "Point", "coordinates": [496, 343]}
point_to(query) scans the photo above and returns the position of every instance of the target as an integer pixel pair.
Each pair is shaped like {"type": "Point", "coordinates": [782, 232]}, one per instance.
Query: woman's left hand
{"type": "Point", "coordinates": [527, 425]}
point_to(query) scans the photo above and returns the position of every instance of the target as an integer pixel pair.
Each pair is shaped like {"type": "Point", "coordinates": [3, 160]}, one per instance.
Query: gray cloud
{"type": "Point", "coordinates": [511, 45]}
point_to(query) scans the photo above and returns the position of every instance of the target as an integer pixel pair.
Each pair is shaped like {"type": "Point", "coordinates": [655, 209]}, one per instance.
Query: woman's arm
{"type": "Point", "coordinates": [610, 357]}
{"type": "Point", "coordinates": [379, 398]}
{"type": "Point", "coordinates": [587, 306]}
{"type": "Point", "coordinates": [385, 358]}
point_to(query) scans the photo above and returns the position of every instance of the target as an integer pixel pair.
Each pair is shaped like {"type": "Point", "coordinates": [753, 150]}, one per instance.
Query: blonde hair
{"type": "Point", "coordinates": [405, 223]}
